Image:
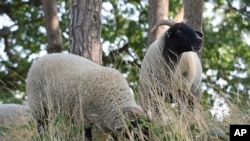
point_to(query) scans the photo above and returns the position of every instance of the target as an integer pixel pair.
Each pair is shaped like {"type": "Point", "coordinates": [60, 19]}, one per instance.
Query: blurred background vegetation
{"type": "Point", "coordinates": [225, 55]}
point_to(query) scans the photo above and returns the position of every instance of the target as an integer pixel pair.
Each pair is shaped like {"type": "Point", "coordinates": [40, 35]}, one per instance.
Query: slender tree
{"type": "Point", "coordinates": [157, 11]}
{"type": "Point", "coordinates": [54, 35]}
{"type": "Point", "coordinates": [193, 10]}
{"type": "Point", "coordinates": [180, 15]}
{"type": "Point", "coordinates": [85, 29]}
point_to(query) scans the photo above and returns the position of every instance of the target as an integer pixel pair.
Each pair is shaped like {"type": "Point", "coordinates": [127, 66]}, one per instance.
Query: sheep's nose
{"type": "Point", "coordinates": [199, 36]}
{"type": "Point", "coordinates": [198, 40]}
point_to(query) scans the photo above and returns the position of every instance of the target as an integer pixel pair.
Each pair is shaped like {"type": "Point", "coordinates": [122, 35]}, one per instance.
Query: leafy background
{"type": "Point", "coordinates": [225, 55]}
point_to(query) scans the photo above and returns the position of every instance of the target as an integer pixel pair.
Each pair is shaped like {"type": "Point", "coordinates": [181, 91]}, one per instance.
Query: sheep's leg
{"type": "Point", "coordinates": [40, 126]}
{"type": "Point", "coordinates": [42, 122]}
{"type": "Point", "coordinates": [88, 133]}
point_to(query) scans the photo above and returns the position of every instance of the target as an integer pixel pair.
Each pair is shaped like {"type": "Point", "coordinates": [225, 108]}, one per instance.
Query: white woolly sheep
{"type": "Point", "coordinates": [15, 122]}
{"type": "Point", "coordinates": [81, 90]}
{"type": "Point", "coordinates": [171, 65]}
{"type": "Point", "coordinates": [190, 67]}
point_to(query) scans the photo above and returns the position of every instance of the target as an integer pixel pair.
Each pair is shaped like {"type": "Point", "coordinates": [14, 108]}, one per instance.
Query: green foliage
{"type": "Point", "coordinates": [22, 40]}
{"type": "Point", "coordinates": [226, 51]}
{"type": "Point", "coordinates": [126, 37]}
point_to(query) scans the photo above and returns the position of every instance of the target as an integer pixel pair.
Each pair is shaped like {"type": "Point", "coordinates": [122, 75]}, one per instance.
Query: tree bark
{"type": "Point", "coordinates": [85, 29]}
{"type": "Point", "coordinates": [158, 10]}
{"type": "Point", "coordinates": [193, 10]}
{"type": "Point", "coordinates": [180, 15]}
{"type": "Point", "coordinates": [54, 35]}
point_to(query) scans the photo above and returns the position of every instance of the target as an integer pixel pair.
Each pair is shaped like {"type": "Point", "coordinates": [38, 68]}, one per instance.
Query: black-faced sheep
{"type": "Point", "coordinates": [171, 65]}
{"type": "Point", "coordinates": [85, 92]}
{"type": "Point", "coordinates": [16, 122]}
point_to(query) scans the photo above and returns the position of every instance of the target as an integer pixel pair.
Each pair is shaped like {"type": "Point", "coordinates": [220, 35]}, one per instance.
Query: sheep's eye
{"type": "Point", "coordinates": [172, 34]}
{"type": "Point", "coordinates": [168, 33]}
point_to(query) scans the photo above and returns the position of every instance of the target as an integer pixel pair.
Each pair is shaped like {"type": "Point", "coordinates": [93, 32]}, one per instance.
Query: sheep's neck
{"type": "Point", "coordinates": [171, 57]}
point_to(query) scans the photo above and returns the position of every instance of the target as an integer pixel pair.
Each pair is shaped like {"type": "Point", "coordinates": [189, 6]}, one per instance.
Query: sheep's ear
{"type": "Point", "coordinates": [199, 33]}
{"type": "Point", "coordinates": [132, 112]}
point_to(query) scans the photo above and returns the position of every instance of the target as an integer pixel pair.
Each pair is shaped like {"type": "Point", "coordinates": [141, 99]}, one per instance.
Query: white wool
{"type": "Point", "coordinates": [81, 89]}
{"type": "Point", "coordinates": [13, 114]}
{"type": "Point", "coordinates": [190, 63]}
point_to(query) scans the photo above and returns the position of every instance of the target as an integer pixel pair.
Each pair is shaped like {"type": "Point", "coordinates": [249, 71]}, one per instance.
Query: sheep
{"type": "Point", "coordinates": [85, 92]}
{"type": "Point", "coordinates": [169, 60]}
{"type": "Point", "coordinates": [16, 122]}
{"type": "Point", "coordinates": [190, 67]}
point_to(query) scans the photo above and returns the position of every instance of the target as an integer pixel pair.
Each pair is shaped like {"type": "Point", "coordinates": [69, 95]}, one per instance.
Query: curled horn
{"type": "Point", "coordinates": [163, 22]}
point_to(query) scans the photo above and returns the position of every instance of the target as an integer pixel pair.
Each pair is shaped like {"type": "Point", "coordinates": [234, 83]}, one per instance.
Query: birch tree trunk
{"type": "Point", "coordinates": [54, 35]}
{"type": "Point", "coordinates": [157, 11]}
{"type": "Point", "coordinates": [85, 29]}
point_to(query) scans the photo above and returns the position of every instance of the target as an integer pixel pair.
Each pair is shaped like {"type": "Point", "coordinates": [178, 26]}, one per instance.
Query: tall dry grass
{"type": "Point", "coordinates": [171, 124]}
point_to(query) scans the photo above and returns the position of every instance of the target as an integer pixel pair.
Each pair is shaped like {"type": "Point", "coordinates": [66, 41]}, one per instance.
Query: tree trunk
{"type": "Point", "coordinates": [85, 29]}
{"type": "Point", "coordinates": [193, 10]}
{"type": "Point", "coordinates": [54, 35]}
{"type": "Point", "coordinates": [180, 15]}
{"type": "Point", "coordinates": [157, 11]}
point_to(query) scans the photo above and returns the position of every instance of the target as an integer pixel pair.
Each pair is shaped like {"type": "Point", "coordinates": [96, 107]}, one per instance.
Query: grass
{"type": "Point", "coordinates": [22, 131]}
{"type": "Point", "coordinates": [172, 124]}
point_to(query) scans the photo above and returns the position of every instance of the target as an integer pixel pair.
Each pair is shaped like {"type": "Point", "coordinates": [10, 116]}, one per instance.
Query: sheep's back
{"type": "Point", "coordinates": [53, 82]}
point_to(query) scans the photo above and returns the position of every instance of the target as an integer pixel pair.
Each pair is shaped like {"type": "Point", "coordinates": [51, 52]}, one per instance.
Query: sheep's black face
{"type": "Point", "coordinates": [182, 38]}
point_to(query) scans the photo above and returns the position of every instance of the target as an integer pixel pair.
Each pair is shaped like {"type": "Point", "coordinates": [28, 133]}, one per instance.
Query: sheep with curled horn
{"type": "Point", "coordinates": [171, 67]}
